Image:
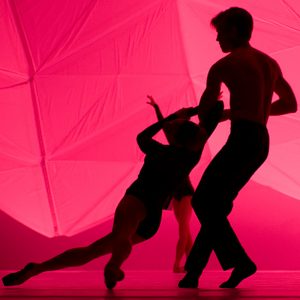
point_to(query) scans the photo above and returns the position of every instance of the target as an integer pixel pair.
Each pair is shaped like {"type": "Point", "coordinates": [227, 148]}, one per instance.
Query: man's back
{"type": "Point", "coordinates": [250, 76]}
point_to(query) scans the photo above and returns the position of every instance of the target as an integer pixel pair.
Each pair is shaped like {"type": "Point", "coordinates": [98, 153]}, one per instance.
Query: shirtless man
{"type": "Point", "coordinates": [251, 77]}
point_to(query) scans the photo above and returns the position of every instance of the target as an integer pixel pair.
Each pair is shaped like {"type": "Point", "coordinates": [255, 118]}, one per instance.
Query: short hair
{"type": "Point", "coordinates": [235, 17]}
{"type": "Point", "coordinates": [187, 132]}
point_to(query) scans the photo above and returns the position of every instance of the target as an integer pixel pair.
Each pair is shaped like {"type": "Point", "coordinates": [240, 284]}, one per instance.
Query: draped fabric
{"type": "Point", "coordinates": [74, 76]}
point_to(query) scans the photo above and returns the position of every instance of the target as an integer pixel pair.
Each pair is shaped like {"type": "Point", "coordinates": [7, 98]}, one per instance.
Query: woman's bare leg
{"type": "Point", "coordinates": [127, 218]}
{"type": "Point", "coordinates": [183, 213]}
{"type": "Point", "coordinates": [70, 258]}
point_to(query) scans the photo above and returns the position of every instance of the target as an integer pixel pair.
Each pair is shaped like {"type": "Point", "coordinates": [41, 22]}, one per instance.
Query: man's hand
{"type": "Point", "coordinates": [226, 115]}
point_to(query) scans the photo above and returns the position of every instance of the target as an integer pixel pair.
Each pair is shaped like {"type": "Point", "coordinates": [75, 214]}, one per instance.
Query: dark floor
{"type": "Point", "coordinates": [154, 285]}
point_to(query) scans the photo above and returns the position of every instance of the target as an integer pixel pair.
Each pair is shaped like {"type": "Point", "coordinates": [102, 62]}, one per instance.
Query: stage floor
{"type": "Point", "coordinates": [154, 285]}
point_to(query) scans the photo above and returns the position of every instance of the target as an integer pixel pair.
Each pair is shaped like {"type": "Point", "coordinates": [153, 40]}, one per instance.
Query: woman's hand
{"type": "Point", "coordinates": [151, 101]}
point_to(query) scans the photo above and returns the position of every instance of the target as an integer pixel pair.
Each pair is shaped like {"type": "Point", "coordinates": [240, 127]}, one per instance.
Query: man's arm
{"type": "Point", "coordinates": [287, 102]}
{"type": "Point", "coordinates": [211, 94]}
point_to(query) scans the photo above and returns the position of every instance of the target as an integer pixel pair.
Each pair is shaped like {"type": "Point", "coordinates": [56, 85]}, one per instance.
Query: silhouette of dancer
{"type": "Point", "coordinates": [251, 77]}
{"type": "Point", "coordinates": [137, 216]}
{"type": "Point", "coordinates": [181, 202]}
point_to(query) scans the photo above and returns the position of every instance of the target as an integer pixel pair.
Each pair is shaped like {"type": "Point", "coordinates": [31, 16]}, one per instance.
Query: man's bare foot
{"type": "Point", "coordinates": [239, 273]}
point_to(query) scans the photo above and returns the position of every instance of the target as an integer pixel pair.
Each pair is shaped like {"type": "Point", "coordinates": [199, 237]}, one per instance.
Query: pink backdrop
{"type": "Point", "coordinates": [73, 81]}
{"type": "Point", "coordinates": [269, 232]}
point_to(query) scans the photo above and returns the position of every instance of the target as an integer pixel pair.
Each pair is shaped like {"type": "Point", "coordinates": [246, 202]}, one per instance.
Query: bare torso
{"type": "Point", "coordinates": [250, 76]}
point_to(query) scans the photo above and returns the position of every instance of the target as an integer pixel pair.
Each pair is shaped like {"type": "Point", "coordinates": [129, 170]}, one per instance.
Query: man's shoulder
{"type": "Point", "coordinates": [222, 64]}
{"type": "Point", "coordinates": [235, 57]}
{"type": "Point", "coordinates": [264, 55]}
{"type": "Point", "coordinates": [270, 61]}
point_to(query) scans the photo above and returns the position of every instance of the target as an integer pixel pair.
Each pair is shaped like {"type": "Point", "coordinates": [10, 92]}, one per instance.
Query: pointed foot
{"type": "Point", "coordinates": [19, 277]}
{"type": "Point", "coordinates": [112, 274]}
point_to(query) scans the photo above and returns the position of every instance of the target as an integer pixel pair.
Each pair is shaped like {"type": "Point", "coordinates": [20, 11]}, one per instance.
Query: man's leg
{"type": "Point", "coordinates": [215, 234]}
{"type": "Point", "coordinates": [202, 247]}
{"type": "Point", "coordinates": [232, 168]}
{"type": "Point", "coordinates": [228, 172]}
{"type": "Point", "coordinates": [197, 259]}
{"type": "Point", "coordinates": [229, 250]}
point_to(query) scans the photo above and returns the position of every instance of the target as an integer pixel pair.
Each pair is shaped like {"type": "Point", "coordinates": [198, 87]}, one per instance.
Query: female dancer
{"type": "Point", "coordinates": [138, 215]}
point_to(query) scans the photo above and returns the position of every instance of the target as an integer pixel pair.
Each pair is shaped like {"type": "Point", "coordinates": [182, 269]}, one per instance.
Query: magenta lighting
{"type": "Point", "coordinates": [74, 76]}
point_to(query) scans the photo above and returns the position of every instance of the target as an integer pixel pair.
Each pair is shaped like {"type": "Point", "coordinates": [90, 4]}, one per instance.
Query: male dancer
{"type": "Point", "coordinates": [251, 77]}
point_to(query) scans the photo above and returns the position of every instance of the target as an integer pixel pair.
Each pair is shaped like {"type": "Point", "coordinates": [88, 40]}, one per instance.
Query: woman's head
{"type": "Point", "coordinates": [186, 133]}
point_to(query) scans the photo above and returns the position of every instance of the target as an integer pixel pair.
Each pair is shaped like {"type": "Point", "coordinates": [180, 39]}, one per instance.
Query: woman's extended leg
{"type": "Point", "coordinates": [183, 213]}
{"type": "Point", "coordinates": [70, 258]}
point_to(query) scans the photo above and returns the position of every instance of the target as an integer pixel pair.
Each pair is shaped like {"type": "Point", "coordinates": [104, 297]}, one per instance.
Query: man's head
{"type": "Point", "coordinates": [234, 27]}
